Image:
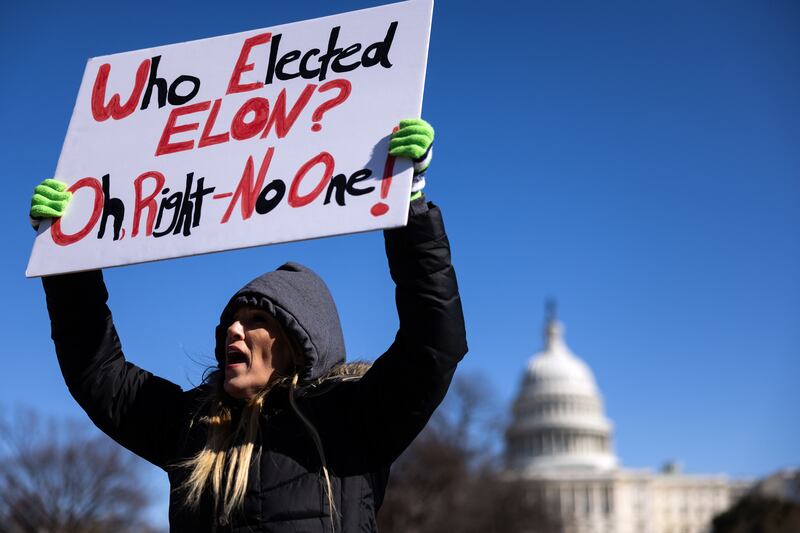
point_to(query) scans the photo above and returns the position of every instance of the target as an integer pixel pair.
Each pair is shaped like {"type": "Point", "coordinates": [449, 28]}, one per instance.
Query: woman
{"type": "Point", "coordinates": [282, 435]}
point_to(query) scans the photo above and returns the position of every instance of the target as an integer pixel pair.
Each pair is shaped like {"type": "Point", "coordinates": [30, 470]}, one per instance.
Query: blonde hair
{"type": "Point", "coordinates": [223, 465]}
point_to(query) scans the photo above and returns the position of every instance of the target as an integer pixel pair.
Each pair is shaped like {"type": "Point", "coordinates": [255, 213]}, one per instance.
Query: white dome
{"type": "Point", "coordinates": [558, 418]}
{"type": "Point", "coordinates": [556, 369]}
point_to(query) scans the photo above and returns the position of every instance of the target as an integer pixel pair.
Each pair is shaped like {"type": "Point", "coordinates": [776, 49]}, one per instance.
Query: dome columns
{"type": "Point", "coordinates": [558, 419]}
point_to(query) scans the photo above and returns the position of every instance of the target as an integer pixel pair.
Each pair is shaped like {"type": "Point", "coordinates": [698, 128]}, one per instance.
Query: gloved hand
{"type": "Point", "coordinates": [50, 199]}
{"type": "Point", "coordinates": [414, 140]}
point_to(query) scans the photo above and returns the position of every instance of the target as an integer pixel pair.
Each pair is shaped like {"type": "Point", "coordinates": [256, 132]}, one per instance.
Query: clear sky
{"type": "Point", "coordinates": [637, 161]}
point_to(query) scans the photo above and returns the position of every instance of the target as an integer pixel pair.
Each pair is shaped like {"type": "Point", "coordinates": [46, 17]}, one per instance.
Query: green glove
{"type": "Point", "coordinates": [50, 199]}
{"type": "Point", "coordinates": [414, 140]}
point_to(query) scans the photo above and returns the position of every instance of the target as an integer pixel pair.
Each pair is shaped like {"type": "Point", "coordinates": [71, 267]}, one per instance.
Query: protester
{"type": "Point", "coordinates": [282, 435]}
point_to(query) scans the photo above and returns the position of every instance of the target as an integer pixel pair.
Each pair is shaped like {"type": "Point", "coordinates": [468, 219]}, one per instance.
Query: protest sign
{"type": "Point", "coordinates": [265, 136]}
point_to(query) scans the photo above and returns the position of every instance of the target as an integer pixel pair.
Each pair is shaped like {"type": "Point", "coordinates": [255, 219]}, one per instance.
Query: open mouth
{"type": "Point", "coordinates": [234, 357]}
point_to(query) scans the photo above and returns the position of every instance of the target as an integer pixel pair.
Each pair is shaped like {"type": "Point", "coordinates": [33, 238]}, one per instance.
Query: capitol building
{"type": "Point", "coordinates": [561, 442]}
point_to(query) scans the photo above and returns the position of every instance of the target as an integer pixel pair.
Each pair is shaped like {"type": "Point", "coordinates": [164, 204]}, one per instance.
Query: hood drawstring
{"type": "Point", "coordinates": [318, 444]}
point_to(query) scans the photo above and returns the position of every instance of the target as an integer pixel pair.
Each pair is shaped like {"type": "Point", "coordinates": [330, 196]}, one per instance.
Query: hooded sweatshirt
{"type": "Point", "coordinates": [301, 302]}
{"type": "Point", "coordinates": [363, 424]}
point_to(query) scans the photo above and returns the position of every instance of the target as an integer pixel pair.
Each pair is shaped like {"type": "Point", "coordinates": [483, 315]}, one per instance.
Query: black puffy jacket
{"type": "Point", "coordinates": [364, 424]}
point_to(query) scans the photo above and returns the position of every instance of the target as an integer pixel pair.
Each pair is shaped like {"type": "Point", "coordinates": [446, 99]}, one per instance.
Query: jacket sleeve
{"type": "Point", "coordinates": [398, 395]}
{"type": "Point", "coordinates": [135, 408]}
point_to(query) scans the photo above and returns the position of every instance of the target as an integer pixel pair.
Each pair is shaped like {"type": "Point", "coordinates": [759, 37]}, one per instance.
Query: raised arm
{"type": "Point", "coordinates": [408, 382]}
{"type": "Point", "coordinates": [134, 407]}
{"type": "Point", "coordinates": [394, 400]}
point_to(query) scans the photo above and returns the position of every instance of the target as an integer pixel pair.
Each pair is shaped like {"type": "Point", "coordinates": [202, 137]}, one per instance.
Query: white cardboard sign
{"type": "Point", "coordinates": [260, 137]}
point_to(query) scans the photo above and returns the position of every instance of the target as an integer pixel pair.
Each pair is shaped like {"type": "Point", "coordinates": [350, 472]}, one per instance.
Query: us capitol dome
{"type": "Point", "coordinates": [559, 442]}
{"type": "Point", "coordinates": [558, 418]}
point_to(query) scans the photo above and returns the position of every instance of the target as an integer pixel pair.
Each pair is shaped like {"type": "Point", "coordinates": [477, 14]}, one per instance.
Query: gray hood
{"type": "Point", "coordinates": [299, 299]}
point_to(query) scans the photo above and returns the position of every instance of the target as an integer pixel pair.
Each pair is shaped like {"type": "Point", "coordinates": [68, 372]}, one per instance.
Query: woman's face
{"type": "Point", "coordinates": [255, 347]}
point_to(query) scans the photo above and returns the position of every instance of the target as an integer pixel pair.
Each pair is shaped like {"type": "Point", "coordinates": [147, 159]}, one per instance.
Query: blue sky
{"type": "Point", "coordinates": [637, 161]}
